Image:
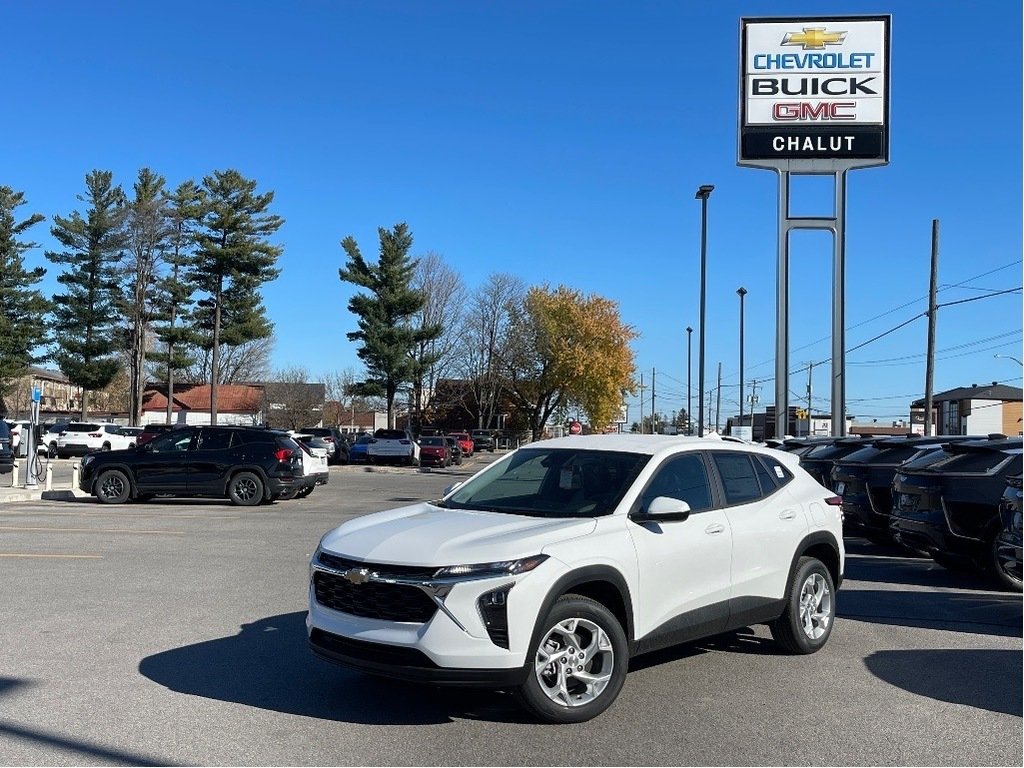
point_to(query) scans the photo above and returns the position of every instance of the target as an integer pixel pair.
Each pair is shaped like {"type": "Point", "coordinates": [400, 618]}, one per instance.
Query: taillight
{"type": "Point", "coordinates": [283, 454]}
{"type": "Point", "coordinates": [834, 501]}
{"type": "Point", "coordinates": [328, 439]}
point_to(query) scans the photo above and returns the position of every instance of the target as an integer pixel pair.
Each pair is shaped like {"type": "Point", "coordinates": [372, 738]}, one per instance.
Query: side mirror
{"type": "Point", "coordinates": [663, 509]}
{"type": "Point", "coordinates": [450, 488]}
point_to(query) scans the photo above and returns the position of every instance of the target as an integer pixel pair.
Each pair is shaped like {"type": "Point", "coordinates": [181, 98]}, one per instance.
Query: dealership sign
{"type": "Point", "coordinates": [814, 88]}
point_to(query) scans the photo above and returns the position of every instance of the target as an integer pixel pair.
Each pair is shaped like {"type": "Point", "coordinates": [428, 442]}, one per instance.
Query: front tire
{"type": "Point", "coordinates": [245, 489]}
{"type": "Point", "coordinates": [805, 625]}
{"type": "Point", "coordinates": [578, 664]}
{"type": "Point", "coordinates": [113, 487]}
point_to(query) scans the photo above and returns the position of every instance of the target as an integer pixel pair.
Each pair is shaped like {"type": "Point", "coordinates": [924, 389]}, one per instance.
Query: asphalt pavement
{"type": "Point", "coordinates": [173, 633]}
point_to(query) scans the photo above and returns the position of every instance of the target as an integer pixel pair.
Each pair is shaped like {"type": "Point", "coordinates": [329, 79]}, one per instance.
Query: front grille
{"type": "Point", "coordinates": [373, 600]}
{"type": "Point", "coordinates": [385, 571]}
{"type": "Point", "coordinates": [374, 653]}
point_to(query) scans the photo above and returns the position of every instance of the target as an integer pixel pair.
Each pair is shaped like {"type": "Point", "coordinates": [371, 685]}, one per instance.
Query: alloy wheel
{"type": "Point", "coordinates": [574, 662]}
{"type": "Point", "coordinates": [815, 606]}
{"type": "Point", "coordinates": [245, 488]}
{"type": "Point", "coordinates": [113, 486]}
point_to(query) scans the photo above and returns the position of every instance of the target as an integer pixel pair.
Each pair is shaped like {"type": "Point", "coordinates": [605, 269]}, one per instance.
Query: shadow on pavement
{"type": "Point", "coordinates": [989, 614]}
{"type": "Point", "coordinates": [985, 679]}
{"type": "Point", "coordinates": [268, 665]}
{"type": "Point", "coordinates": [914, 571]}
{"type": "Point", "coordinates": [77, 747]}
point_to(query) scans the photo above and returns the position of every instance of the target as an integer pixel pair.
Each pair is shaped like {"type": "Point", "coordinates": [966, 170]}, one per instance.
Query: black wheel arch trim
{"type": "Point", "coordinates": [587, 574]}
{"type": "Point", "coordinates": [809, 541]}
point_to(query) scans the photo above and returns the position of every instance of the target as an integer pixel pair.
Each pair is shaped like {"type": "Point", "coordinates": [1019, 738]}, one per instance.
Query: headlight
{"type": "Point", "coordinates": [490, 570]}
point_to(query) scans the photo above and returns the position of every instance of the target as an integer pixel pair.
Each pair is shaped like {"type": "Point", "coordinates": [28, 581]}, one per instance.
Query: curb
{"type": "Point", "coordinates": [10, 495]}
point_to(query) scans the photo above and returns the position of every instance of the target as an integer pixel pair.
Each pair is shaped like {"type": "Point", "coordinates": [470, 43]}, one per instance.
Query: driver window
{"type": "Point", "coordinates": [177, 440]}
{"type": "Point", "coordinates": [682, 477]}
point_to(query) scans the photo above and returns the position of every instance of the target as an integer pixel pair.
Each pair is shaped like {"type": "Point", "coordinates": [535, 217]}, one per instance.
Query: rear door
{"type": "Point", "coordinates": [767, 523]}
{"type": "Point", "coordinates": [209, 460]}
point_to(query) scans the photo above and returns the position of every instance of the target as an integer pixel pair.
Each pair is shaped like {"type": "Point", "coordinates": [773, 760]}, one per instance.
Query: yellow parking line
{"type": "Point", "coordinates": [86, 530]}
{"type": "Point", "coordinates": [68, 557]}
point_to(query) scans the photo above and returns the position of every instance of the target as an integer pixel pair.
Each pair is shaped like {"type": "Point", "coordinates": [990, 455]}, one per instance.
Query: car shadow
{"type": "Point", "coordinates": [981, 678]}
{"type": "Point", "coordinates": [268, 665]}
{"type": "Point", "coordinates": [913, 571]}
{"type": "Point", "coordinates": [984, 614]}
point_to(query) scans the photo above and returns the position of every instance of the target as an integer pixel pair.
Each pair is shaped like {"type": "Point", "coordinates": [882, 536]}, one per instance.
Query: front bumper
{"type": "Point", "coordinates": [451, 645]}
{"type": "Point", "coordinates": [409, 664]}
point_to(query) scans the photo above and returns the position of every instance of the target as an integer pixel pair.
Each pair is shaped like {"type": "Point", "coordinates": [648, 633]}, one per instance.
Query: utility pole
{"type": "Point", "coordinates": [753, 402]}
{"type": "Point", "coordinates": [641, 403]}
{"type": "Point", "coordinates": [654, 428]}
{"type": "Point", "coordinates": [929, 373]}
{"type": "Point", "coordinates": [718, 399]}
{"type": "Point", "coordinates": [810, 389]}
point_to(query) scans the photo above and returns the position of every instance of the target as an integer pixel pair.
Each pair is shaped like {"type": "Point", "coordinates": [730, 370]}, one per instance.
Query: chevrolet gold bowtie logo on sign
{"type": "Point", "coordinates": [814, 38]}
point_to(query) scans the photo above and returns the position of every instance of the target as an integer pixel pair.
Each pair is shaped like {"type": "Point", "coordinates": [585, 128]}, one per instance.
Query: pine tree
{"type": "Point", "coordinates": [233, 259]}
{"type": "Point", "coordinates": [22, 307]}
{"type": "Point", "coordinates": [84, 316]}
{"type": "Point", "coordinates": [174, 292]}
{"type": "Point", "coordinates": [147, 235]}
{"type": "Point", "coordinates": [385, 316]}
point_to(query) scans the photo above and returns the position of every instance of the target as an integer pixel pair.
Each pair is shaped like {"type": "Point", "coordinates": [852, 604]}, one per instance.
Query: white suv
{"type": "Point", "coordinates": [395, 445]}
{"type": "Point", "coordinates": [79, 438]}
{"type": "Point", "coordinates": [545, 572]}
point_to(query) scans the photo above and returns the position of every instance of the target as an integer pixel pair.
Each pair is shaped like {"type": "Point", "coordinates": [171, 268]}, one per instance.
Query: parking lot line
{"type": "Point", "coordinates": [86, 530]}
{"type": "Point", "coordinates": [120, 514]}
{"type": "Point", "coordinates": [65, 557]}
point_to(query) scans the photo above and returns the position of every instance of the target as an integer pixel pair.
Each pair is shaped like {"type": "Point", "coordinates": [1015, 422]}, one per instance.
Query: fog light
{"type": "Point", "coordinates": [493, 608]}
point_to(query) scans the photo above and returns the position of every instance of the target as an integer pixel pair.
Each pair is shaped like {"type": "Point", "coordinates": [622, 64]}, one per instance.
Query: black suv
{"type": "Point", "coordinates": [1008, 543]}
{"type": "Point", "coordinates": [6, 452]}
{"type": "Point", "coordinates": [483, 440]}
{"type": "Point", "coordinates": [946, 503]}
{"type": "Point", "coordinates": [336, 441]}
{"type": "Point", "coordinates": [818, 460]}
{"type": "Point", "coordinates": [244, 464]}
{"type": "Point", "coordinates": [864, 480]}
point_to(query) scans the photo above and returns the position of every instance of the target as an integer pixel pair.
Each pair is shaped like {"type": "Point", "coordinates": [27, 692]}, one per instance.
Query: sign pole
{"type": "Point", "coordinates": [839, 310]}
{"type": "Point", "coordinates": [782, 312]}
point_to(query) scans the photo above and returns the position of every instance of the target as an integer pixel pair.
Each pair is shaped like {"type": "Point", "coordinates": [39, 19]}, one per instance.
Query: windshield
{"type": "Point", "coordinates": [560, 482]}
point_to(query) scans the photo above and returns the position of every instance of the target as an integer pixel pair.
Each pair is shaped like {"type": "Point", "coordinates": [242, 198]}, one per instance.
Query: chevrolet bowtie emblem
{"type": "Point", "coordinates": [357, 575]}
{"type": "Point", "coordinates": [814, 38]}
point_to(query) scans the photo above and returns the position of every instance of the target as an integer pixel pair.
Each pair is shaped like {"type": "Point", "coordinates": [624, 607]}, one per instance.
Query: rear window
{"type": "Point", "coordinates": [435, 441]}
{"type": "Point", "coordinates": [363, 440]}
{"type": "Point", "coordinates": [971, 461]}
{"type": "Point", "coordinates": [81, 427]}
{"type": "Point", "coordinates": [390, 434]}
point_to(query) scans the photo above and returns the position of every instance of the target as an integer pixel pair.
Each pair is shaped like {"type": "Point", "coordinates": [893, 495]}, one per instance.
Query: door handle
{"type": "Point", "coordinates": [714, 528]}
{"type": "Point", "coordinates": [787, 514]}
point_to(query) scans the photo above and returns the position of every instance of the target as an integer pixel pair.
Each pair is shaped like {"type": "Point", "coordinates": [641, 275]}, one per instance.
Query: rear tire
{"type": "Point", "coordinates": [245, 489]}
{"type": "Point", "coordinates": [997, 565]}
{"type": "Point", "coordinates": [577, 665]}
{"type": "Point", "coordinates": [804, 627]}
{"type": "Point", "coordinates": [113, 487]}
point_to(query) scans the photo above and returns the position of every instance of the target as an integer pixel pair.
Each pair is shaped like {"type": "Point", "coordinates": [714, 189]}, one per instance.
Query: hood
{"type": "Point", "coordinates": [424, 534]}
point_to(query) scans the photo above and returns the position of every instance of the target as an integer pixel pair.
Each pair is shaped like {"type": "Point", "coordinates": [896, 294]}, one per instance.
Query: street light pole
{"type": "Point", "coordinates": [689, 388]}
{"type": "Point", "coordinates": [1010, 357]}
{"type": "Point", "coordinates": [741, 291]}
{"type": "Point", "coordinates": [703, 193]}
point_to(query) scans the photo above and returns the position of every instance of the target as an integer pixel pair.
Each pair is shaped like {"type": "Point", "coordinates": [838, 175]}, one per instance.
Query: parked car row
{"type": "Point", "coordinates": [399, 446]}
{"type": "Point", "coordinates": [955, 498]}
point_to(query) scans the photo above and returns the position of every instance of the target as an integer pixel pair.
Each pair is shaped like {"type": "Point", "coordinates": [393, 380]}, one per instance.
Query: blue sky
{"type": "Point", "coordinates": [559, 141]}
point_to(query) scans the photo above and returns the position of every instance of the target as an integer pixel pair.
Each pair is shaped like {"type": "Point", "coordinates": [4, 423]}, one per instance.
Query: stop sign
{"type": "Point", "coordinates": [575, 428]}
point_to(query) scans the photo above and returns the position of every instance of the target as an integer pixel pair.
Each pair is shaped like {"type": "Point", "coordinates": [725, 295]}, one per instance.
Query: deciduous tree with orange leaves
{"type": "Point", "coordinates": [568, 349]}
